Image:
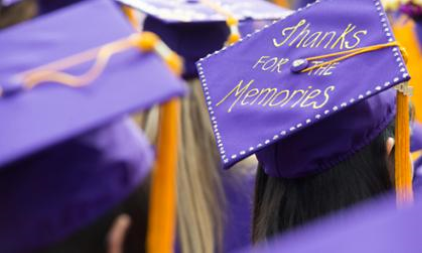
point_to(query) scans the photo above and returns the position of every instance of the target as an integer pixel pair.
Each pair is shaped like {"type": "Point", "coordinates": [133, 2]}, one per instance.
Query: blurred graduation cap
{"type": "Point", "coordinates": [305, 93]}
{"type": "Point", "coordinates": [65, 157]}
{"type": "Point", "coordinates": [196, 28]}
{"type": "Point", "coordinates": [374, 227]}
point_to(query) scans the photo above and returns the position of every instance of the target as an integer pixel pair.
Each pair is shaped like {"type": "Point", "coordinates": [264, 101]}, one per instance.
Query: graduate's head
{"type": "Point", "coordinates": [313, 106]}
{"type": "Point", "coordinates": [69, 158]}
{"type": "Point", "coordinates": [66, 197]}
{"type": "Point", "coordinates": [195, 29]}
{"type": "Point", "coordinates": [364, 174]}
{"type": "Point", "coordinates": [285, 203]}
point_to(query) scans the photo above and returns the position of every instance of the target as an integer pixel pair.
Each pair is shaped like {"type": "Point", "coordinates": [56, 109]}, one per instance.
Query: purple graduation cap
{"type": "Point", "coordinates": [196, 28]}
{"type": "Point", "coordinates": [66, 154]}
{"type": "Point", "coordinates": [306, 92]}
{"type": "Point", "coordinates": [373, 227]}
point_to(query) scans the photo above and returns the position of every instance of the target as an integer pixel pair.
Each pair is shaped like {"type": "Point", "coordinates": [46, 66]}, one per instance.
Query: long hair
{"type": "Point", "coordinates": [17, 12]}
{"type": "Point", "coordinates": [281, 204]}
{"type": "Point", "coordinates": [199, 186]}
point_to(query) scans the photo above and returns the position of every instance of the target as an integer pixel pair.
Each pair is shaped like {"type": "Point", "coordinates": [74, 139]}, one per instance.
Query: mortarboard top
{"type": "Point", "coordinates": [66, 156]}
{"type": "Point", "coordinates": [50, 113]}
{"type": "Point", "coordinates": [197, 11]}
{"type": "Point", "coordinates": [375, 227]}
{"type": "Point", "coordinates": [50, 195]}
{"type": "Point", "coordinates": [194, 29]}
{"type": "Point", "coordinates": [297, 122]}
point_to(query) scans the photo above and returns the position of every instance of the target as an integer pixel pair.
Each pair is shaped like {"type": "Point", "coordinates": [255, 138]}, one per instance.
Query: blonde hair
{"type": "Point", "coordinates": [200, 198]}
{"type": "Point", "coordinates": [17, 12]}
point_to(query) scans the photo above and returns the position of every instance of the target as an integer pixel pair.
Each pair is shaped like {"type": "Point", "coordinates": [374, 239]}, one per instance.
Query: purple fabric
{"type": "Point", "coordinates": [190, 41]}
{"type": "Point", "coordinates": [302, 3]}
{"type": "Point", "coordinates": [416, 138]}
{"type": "Point", "coordinates": [412, 10]}
{"type": "Point", "coordinates": [373, 227]}
{"type": "Point", "coordinates": [173, 12]}
{"type": "Point", "coordinates": [46, 6]}
{"type": "Point", "coordinates": [252, 108]}
{"type": "Point", "coordinates": [331, 141]}
{"type": "Point", "coordinates": [51, 194]}
{"type": "Point", "coordinates": [51, 113]}
{"type": "Point", "coordinates": [418, 164]}
{"type": "Point", "coordinates": [238, 189]}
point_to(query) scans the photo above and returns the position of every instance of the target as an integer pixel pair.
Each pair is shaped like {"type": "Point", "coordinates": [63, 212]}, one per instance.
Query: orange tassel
{"type": "Point", "coordinates": [403, 173]}
{"type": "Point", "coordinates": [162, 203]}
{"type": "Point", "coordinates": [282, 3]}
{"type": "Point", "coordinates": [133, 19]}
{"type": "Point", "coordinates": [162, 209]}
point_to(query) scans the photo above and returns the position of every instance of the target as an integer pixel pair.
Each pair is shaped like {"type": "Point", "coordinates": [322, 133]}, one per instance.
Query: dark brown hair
{"type": "Point", "coordinates": [281, 204]}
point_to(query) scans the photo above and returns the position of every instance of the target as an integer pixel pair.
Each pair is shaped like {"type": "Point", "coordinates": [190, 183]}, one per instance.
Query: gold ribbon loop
{"type": "Point", "coordinates": [350, 53]}
{"type": "Point", "coordinates": [231, 21]}
{"type": "Point", "coordinates": [54, 72]}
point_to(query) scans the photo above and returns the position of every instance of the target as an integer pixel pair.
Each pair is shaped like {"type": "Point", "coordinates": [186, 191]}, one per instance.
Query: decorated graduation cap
{"type": "Point", "coordinates": [376, 226]}
{"type": "Point", "coordinates": [310, 90]}
{"type": "Point", "coordinates": [196, 28]}
{"type": "Point", "coordinates": [65, 154]}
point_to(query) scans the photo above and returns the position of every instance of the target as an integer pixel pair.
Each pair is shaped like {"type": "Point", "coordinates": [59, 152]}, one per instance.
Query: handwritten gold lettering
{"type": "Point", "coordinates": [286, 96]}
{"type": "Point", "coordinates": [238, 94]}
{"type": "Point", "coordinates": [266, 91]}
{"type": "Point", "coordinates": [357, 38]}
{"type": "Point", "coordinates": [292, 30]}
{"type": "Point", "coordinates": [301, 35]}
{"type": "Point", "coordinates": [250, 94]}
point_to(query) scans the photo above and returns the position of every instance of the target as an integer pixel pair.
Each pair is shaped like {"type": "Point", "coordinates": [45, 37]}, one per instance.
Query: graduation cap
{"type": "Point", "coordinates": [310, 90]}
{"type": "Point", "coordinates": [65, 154]}
{"type": "Point", "coordinates": [196, 28]}
{"type": "Point", "coordinates": [373, 227]}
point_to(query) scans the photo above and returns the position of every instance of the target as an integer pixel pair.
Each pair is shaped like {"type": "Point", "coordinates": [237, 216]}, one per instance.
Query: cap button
{"type": "Point", "coordinates": [299, 65]}
{"type": "Point", "coordinates": [10, 88]}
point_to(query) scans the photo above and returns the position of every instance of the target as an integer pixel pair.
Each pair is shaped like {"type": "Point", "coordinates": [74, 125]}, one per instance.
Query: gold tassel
{"type": "Point", "coordinates": [162, 209]}
{"type": "Point", "coordinates": [162, 204]}
{"type": "Point", "coordinates": [132, 16]}
{"type": "Point", "coordinates": [403, 171]}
